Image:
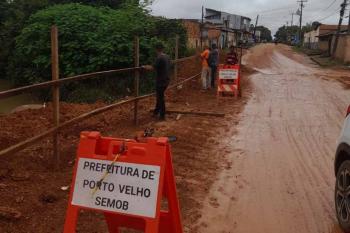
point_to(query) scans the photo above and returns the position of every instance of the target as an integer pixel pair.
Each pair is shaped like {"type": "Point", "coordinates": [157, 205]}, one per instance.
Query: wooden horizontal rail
{"type": "Point", "coordinates": [29, 142]}
{"type": "Point", "coordinates": [185, 59]}
{"type": "Point", "coordinates": [175, 85]}
{"type": "Point", "coordinates": [20, 90]}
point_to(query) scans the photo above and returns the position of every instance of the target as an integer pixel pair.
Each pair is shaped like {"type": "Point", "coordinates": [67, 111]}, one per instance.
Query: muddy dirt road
{"type": "Point", "coordinates": [282, 176]}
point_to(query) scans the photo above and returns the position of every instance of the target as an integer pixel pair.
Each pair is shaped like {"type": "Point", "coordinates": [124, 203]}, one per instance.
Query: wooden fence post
{"type": "Point", "coordinates": [176, 57]}
{"type": "Point", "coordinates": [55, 93]}
{"type": "Point", "coordinates": [137, 77]}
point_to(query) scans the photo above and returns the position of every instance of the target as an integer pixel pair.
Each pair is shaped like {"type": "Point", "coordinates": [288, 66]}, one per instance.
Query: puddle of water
{"type": "Point", "coordinates": [267, 71]}
{"type": "Point", "coordinates": [8, 104]}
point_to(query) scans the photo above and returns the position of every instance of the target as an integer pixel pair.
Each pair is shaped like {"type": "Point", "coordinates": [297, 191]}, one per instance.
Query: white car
{"type": "Point", "coordinates": [342, 172]}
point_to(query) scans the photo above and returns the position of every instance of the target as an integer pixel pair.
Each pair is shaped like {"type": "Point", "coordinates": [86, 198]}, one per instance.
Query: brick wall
{"type": "Point", "coordinates": [193, 33]}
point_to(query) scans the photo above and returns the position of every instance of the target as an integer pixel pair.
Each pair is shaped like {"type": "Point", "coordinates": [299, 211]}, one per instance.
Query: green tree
{"type": "Point", "coordinates": [13, 16]}
{"type": "Point", "coordinates": [284, 33]}
{"type": "Point", "coordinates": [110, 3]}
{"type": "Point", "coordinates": [308, 27]}
{"type": "Point", "coordinates": [166, 30]}
{"type": "Point", "coordinates": [15, 13]}
{"type": "Point", "coordinates": [90, 39]}
{"type": "Point", "coordinates": [265, 33]}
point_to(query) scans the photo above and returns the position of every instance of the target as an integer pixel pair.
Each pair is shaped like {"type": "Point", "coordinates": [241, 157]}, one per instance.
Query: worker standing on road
{"type": "Point", "coordinates": [231, 57]}
{"type": "Point", "coordinates": [205, 68]}
{"type": "Point", "coordinates": [213, 63]}
{"type": "Point", "coordinates": [162, 68]}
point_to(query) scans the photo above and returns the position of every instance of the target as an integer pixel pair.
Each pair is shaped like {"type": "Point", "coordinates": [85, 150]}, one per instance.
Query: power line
{"type": "Point", "coordinates": [323, 10]}
{"type": "Point", "coordinates": [301, 16]}
{"type": "Point", "coordinates": [336, 12]}
{"type": "Point", "coordinates": [271, 10]}
{"type": "Point", "coordinates": [287, 7]}
{"type": "Point", "coordinates": [330, 5]}
{"type": "Point", "coordinates": [342, 12]}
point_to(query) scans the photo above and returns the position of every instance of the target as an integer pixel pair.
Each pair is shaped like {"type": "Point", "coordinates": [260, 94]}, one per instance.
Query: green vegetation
{"type": "Point", "coordinates": [284, 34]}
{"type": "Point", "coordinates": [15, 13]}
{"type": "Point", "coordinates": [90, 39]}
{"type": "Point", "coordinates": [265, 33]}
{"type": "Point", "coordinates": [298, 49]}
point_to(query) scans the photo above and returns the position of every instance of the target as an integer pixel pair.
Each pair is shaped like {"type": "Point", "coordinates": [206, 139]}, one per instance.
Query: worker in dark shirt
{"type": "Point", "coordinates": [213, 62]}
{"type": "Point", "coordinates": [231, 57]}
{"type": "Point", "coordinates": [162, 68]}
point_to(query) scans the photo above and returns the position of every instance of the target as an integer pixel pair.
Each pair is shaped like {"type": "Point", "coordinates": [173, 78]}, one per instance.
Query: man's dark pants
{"type": "Point", "coordinates": [213, 75]}
{"type": "Point", "coordinates": [160, 104]}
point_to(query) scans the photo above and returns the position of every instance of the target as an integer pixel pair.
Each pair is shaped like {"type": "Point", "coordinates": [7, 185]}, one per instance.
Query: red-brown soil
{"type": "Point", "coordinates": [32, 188]}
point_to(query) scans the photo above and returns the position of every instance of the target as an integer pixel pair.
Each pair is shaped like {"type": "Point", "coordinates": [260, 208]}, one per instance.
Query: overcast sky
{"type": "Point", "coordinates": [273, 13]}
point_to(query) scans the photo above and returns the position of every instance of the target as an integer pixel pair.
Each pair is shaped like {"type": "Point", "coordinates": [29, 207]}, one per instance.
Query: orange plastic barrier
{"type": "Point", "coordinates": [229, 77]}
{"type": "Point", "coordinates": [127, 181]}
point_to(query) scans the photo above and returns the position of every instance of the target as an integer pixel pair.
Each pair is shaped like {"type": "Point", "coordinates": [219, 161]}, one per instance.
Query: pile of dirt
{"type": "Point", "coordinates": [257, 58]}
{"type": "Point", "coordinates": [28, 182]}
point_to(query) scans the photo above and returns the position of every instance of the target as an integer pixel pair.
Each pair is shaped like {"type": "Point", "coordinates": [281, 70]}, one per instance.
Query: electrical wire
{"type": "Point", "coordinates": [325, 9]}
{"type": "Point", "coordinates": [272, 10]}
{"type": "Point", "coordinates": [330, 5]}
{"type": "Point", "coordinates": [329, 15]}
{"type": "Point", "coordinates": [285, 8]}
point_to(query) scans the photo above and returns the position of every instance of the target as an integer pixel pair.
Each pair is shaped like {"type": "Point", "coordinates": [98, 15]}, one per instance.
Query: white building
{"type": "Point", "coordinates": [234, 27]}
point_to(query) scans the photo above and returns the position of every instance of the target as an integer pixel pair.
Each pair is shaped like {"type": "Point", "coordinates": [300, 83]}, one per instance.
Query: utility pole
{"type": "Point", "coordinates": [342, 12]}
{"type": "Point", "coordinates": [227, 27]}
{"type": "Point", "coordinates": [349, 24]}
{"type": "Point", "coordinates": [202, 25]}
{"type": "Point", "coordinates": [301, 17]}
{"type": "Point", "coordinates": [256, 24]}
{"type": "Point", "coordinates": [292, 19]}
{"type": "Point", "coordinates": [287, 31]}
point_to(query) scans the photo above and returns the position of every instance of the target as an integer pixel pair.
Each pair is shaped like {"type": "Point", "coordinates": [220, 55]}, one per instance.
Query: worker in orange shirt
{"type": "Point", "coordinates": [205, 69]}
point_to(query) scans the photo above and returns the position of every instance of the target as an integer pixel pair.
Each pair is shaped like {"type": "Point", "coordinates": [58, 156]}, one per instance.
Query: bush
{"type": "Point", "coordinates": [15, 13]}
{"type": "Point", "coordinates": [90, 39]}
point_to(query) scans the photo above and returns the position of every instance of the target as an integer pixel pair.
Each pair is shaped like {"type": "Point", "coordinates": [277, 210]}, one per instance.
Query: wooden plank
{"type": "Point", "coordinates": [62, 81]}
{"type": "Point", "coordinates": [184, 59]}
{"type": "Point", "coordinates": [55, 93]}
{"type": "Point", "coordinates": [31, 141]}
{"type": "Point", "coordinates": [184, 81]}
{"type": "Point", "coordinates": [26, 143]}
{"type": "Point", "coordinates": [20, 90]}
{"type": "Point", "coordinates": [136, 78]}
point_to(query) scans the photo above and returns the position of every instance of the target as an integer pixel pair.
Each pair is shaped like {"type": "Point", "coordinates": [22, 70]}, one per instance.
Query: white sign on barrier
{"type": "Point", "coordinates": [228, 74]}
{"type": "Point", "coordinates": [128, 188]}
